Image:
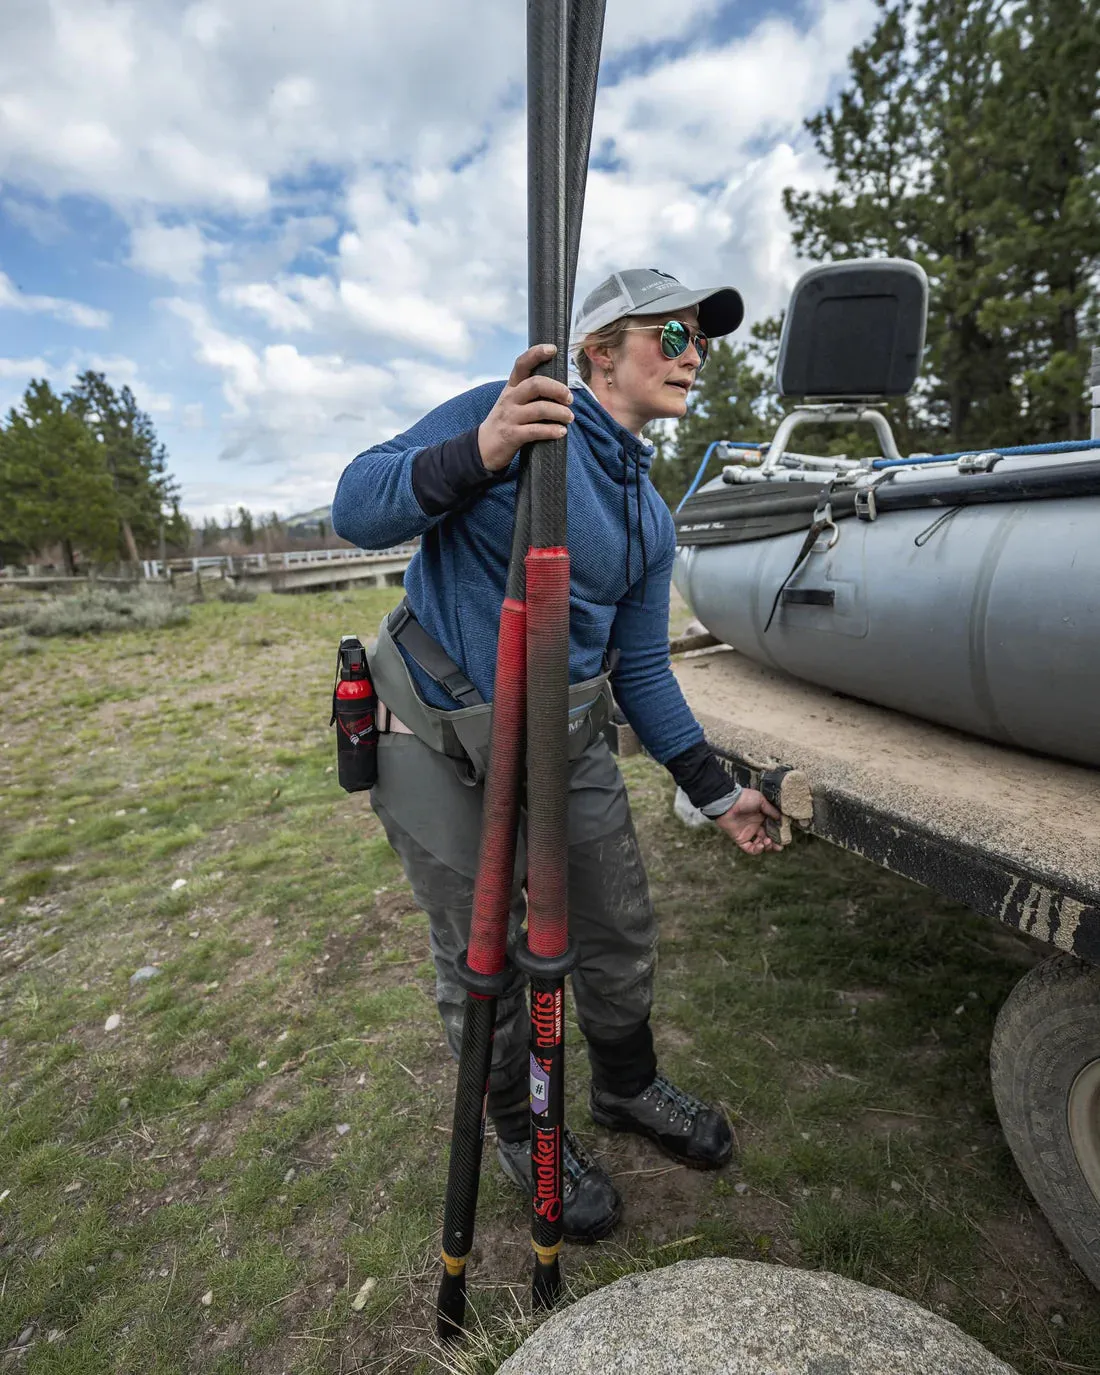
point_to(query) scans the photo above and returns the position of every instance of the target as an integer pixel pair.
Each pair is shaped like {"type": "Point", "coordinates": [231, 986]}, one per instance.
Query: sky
{"type": "Point", "coordinates": [292, 228]}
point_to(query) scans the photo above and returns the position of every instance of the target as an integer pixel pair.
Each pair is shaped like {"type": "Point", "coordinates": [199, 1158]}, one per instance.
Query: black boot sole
{"type": "Point", "coordinates": [590, 1238]}
{"type": "Point", "coordinates": [615, 1124]}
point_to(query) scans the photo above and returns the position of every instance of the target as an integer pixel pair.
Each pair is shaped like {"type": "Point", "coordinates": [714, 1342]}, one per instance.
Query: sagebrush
{"type": "Point", "coordinates": [96, 609]}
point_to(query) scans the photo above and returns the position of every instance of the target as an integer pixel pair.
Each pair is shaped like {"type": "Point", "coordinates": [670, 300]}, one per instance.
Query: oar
{"type": "Point", "coordinates": [483, 967]}
{"type": "Point", "coordinates": [548, 956]}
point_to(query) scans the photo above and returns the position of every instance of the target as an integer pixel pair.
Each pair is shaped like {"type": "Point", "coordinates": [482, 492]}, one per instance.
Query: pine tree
{"type": "Point", "coordinates": [54, 484]}
{"type": "Point", "coordinates": [968, 140]}
{"type": "Point", "coordinates": [135, 458]}
{"type": "Point", "coordinates": [1044, 205]}
{"type": "Point", "coordinates": [178, 533]}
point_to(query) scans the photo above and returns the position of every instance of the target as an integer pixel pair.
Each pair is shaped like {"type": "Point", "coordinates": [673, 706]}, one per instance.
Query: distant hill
{"type": "Point", "coordinates": [310, 517]}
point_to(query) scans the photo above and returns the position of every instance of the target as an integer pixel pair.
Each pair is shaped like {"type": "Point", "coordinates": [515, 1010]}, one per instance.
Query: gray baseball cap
{"type": "Point", "coordinates": [645, 291]}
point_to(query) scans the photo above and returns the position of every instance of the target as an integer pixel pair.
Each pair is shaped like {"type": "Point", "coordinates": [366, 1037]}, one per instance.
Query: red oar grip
{"type": "Point", "coordinates": [547, 750]}
{"type": "Point", "coordinates": [500, 814]}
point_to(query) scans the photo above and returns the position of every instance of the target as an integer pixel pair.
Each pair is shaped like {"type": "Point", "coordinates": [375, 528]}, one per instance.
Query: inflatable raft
{"type": "Point", "coordinates": [962, 588]}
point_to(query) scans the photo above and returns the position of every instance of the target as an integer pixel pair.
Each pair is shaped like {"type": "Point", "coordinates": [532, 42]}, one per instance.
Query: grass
{"type": "Point", "coordinates": [207, 1186]}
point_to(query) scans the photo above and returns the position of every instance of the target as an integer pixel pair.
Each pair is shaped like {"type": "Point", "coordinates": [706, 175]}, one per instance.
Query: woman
{"type": "Point", "coordinates": [451, 479]}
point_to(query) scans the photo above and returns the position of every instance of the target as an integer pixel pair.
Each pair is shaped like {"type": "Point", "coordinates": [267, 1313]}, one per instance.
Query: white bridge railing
{"type": "Point", "coordinates": [234, 564]}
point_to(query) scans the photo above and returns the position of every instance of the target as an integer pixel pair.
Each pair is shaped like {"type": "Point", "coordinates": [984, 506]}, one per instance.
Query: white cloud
{"type": "Point", "coordinates": [697, 120]}
{"type": "Point", "coordinates": [119, 370]}
{"type": "Point", "coordinates": [341, 188]}
{"type": "Point", "coordinates": [299, 236]}
{"type": "Point", "coordinates": [175, 251]}
{"type": "Point", "coordinates": [69, 312]}
{"type": "Point", "coordinates": [630, 23]}
{"type": "Point", "coordinates": [25, 368]}
{"type": "Point", "coordinates": [209, 107]}
{"type": "Point", "coordinates": [42, 222]}
{"type": "Point", "coordinates": [306, 415]}
{"type": "Point", "coordinates": [406, 317]}
{"type": "Point", "coordinates": [272, 303]}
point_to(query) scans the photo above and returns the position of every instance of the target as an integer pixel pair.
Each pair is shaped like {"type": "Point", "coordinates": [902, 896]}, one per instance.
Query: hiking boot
{"type": "Point", "coordinates": [678, 1123]}
{"type": "Point", "coordinates": [591, 1206]}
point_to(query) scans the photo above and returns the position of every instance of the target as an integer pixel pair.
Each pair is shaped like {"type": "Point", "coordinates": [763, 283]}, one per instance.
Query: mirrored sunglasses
{"type": "Point", "coordinates": [675, 338]}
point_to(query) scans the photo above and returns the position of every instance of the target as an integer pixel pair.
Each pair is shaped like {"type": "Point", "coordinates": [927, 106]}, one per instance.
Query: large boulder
{"type": "Point", "coordinates": [732, 1317]}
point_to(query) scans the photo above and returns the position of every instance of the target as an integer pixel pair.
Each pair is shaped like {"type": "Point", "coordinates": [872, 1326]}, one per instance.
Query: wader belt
{"type": "Point", "coordinates": [463, 734]}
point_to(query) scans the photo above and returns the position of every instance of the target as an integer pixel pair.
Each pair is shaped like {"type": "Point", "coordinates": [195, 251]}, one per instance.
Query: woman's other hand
{"type": "Point", "coordinates": [744, 822]}
{"type": "Point", "coordinates": [529, 409]}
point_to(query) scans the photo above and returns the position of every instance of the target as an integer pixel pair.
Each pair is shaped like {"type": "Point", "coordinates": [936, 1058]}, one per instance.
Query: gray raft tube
{"type": "Point", "coordinates": [983, 617]}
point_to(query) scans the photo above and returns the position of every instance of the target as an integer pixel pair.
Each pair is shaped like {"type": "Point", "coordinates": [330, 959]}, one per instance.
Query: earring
{"type": "Point", "coordinates": [607, 376]}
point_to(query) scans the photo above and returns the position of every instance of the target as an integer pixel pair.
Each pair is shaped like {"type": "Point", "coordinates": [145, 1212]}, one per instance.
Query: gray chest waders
{"type": "Point", "coordinates": [464, 733]}
{"type": "Point", "coordinates": [531, 693]}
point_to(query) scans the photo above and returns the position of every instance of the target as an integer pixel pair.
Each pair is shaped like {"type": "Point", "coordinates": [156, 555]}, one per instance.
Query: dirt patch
{"type": "Point", "coordinates": [382, 950]}
{"type": "Point", "coordinates": [858, 996]}
{"type": "Point", "coordinates": [391, 907]}
{"type": "Point", "coordinates": [890, 1123]}
{"type": "Point", "coordinates": [226, 1339]}
{"type": "Point", "coordinates": [220, 1138]}
{"type": "Point", "coordinates": [115, 714]}
{"type": "Point", "coordinates": [192, 1067]}
{"type": "Point", "coordinates": [1017, 1253]}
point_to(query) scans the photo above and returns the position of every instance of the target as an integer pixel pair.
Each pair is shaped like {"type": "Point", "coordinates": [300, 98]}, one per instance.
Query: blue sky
{"type": "Point", "coordinates": [292, 229]}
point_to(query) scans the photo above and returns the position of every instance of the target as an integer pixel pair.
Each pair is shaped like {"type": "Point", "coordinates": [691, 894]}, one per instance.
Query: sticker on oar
{"type": "Point", "coordinates": [540, 1085]}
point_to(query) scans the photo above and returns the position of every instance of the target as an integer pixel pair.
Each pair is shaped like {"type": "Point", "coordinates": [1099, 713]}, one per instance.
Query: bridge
{"type": "Point", "coordinates": [297, 571]}
{"type": "Point", "coordinates": [303, 570]}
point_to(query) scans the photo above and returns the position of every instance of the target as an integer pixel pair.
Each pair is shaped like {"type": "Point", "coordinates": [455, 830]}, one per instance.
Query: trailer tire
{"type": "Point", "coordinates": [1045, 1067]}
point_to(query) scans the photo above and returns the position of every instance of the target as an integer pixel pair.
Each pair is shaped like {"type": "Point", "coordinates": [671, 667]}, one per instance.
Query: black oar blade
{"type": "Point", "coordinates": [546, 1286]}
{"type": "Point", "coordinates": [450, 1306]}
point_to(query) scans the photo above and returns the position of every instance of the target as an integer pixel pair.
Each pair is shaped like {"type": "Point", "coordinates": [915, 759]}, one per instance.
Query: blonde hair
{"type": "Point", "coordinates": [609, 337]}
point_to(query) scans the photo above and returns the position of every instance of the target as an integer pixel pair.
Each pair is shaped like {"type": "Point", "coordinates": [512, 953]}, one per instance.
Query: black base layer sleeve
{"type": "Point", "coordinates": [447, 475]}
{"type": "Point", "coordinates": [699, 773]}
{"type": "Point", "coordinates": [625, 1066]}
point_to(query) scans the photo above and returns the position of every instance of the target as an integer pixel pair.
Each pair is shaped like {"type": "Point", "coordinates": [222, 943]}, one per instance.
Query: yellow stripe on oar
{"type": "Point", "coordinates": [454, 1264]}
{"type": "Point", "coordinates": [546, 1253]}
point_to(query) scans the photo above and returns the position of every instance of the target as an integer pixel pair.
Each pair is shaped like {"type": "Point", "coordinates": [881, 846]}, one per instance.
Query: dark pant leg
{"type": "Point", "coordinates": [612, 919]}
{"type": "Point", "coordinates": [433, 823]}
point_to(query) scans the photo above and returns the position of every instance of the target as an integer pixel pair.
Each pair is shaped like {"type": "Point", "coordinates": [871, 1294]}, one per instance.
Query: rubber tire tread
{"type": "Point", "coordinates": [1046, 1032]}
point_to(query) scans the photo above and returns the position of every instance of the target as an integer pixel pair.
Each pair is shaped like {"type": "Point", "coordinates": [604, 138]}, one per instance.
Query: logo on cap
{"type": "Point", "coordinates": [659, 285]}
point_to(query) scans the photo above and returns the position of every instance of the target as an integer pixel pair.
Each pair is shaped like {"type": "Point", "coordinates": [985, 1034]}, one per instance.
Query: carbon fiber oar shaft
{"type": "Point", "coordinates": [561, 99]}
{"type": "Point", "coordinates": [483, 967]}
{"type": "Point", "coordinates": [552, 27]}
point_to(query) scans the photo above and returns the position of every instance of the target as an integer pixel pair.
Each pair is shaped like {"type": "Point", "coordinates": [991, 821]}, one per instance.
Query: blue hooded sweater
{"type": "Point", "coordinates": [622, 543]}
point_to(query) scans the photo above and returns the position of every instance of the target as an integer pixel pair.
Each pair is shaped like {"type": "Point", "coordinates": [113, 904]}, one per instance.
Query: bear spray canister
{"type": "Point", "coordinates": [354, 706]}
